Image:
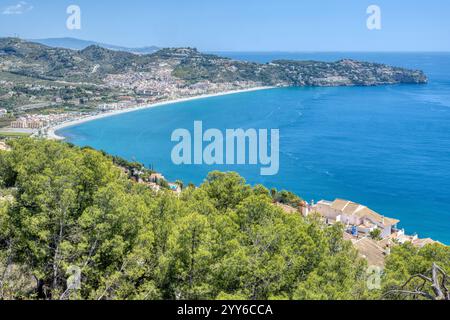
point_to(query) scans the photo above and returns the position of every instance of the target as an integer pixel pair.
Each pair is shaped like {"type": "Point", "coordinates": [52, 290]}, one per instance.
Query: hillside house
{"type": "Point", "coordinates": [355, 215]}
{"type": "Point", "coordinates": [156, 178]}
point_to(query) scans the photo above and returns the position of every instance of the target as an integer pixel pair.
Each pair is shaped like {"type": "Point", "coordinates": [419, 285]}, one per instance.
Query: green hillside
{"type": "Point", "coordinates": [63, 208]}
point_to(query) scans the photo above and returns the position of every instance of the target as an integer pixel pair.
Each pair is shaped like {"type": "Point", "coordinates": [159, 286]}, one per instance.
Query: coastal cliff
{"type": "Point", "coordinates": [195, 67]}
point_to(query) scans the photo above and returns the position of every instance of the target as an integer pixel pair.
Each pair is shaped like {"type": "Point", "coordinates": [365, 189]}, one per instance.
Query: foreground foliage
{"type": "Point", "coordinates": [72, 211]}
{"type": "Point", "coordinates": [413, 273]}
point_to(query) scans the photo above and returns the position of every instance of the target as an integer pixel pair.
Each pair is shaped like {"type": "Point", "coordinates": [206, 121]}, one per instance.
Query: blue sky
{"type": "Point", "coordinates": [238, 25]}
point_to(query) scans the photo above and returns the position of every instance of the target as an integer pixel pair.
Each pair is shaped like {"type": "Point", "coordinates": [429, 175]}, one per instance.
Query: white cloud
{"type": "Point", "coordinates": [19, 8]}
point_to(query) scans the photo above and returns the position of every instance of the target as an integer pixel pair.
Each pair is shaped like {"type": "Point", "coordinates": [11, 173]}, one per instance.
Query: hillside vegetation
{"type": "Point", "coordinates": [63, 208]}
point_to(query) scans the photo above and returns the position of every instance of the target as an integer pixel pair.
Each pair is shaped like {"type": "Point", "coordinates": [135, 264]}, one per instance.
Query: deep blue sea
{"type": "Point", "coordinates": [385, 147]}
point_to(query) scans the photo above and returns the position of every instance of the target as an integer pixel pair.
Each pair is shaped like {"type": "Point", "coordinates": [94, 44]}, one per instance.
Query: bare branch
{"type": "Point", "coordinates": [438, 287]}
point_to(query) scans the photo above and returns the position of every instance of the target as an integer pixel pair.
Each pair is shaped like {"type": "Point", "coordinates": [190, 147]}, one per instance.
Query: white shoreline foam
{"type": "Point", "coordinates": [51, 132]}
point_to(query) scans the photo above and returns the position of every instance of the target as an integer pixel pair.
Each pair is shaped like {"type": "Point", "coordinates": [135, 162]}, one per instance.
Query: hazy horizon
{"type": "Point", "coordinates": [230, 51]}
{"type": "Point", "coordinates": [236, 26]}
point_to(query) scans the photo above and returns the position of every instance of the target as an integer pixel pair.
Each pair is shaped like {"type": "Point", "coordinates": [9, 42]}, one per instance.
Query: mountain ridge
{"type": "Point", "coordinates": [165, 74]}
{"type": "Point", "coordinates": [192, 66]}
{"type": "Point", "coordinates": [80, 44]}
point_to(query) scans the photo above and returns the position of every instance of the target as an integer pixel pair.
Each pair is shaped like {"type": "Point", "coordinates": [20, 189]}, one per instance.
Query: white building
{"type": "Point", "coordinates": [175, 188]}
{"type": "Point", "coordinates": [156, 178]}
{"type": "Point", "coordinates": [3, 112]}
{"type": "Point", "coordinates": [355, 215]}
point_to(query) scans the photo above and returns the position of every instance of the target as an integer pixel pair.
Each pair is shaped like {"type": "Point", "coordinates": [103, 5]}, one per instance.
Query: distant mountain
{"type": "Point", "coordinates": [190, 66]}
{"type": "Point", "coordinates": [78, 44]}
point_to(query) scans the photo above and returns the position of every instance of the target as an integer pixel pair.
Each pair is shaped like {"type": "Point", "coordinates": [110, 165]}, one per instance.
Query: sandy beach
{"type": "Point", "coordinates": [51, 133]}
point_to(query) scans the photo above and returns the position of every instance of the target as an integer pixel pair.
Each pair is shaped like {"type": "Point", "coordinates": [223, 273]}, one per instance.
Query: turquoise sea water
{"type": "Point", "coordinates": [386, 147]}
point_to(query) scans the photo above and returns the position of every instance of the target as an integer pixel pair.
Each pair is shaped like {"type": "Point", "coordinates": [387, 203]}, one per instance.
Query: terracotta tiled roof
{"type": "Point", "coordinates": [339, 204]}
{"type": "Point", "coordinates": [286, 208]}
{"type": "Point", "coordinates": [423, 242]}
{"type": "Point", "coordinates": [370, 250]}
{"type": "Point", "coordinates": [352, 208]}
